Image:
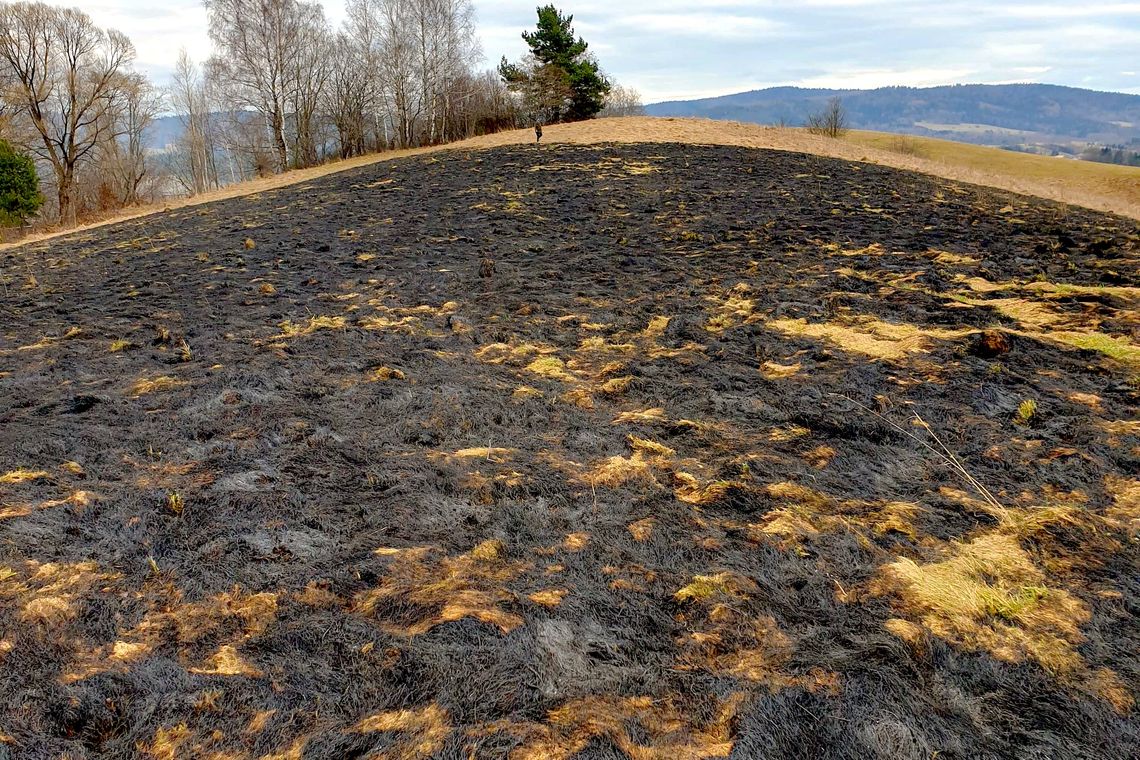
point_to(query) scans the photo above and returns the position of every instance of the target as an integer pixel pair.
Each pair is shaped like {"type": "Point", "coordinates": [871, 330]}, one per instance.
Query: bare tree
{"type": "Point", "coordinates": [190, 99]}
{"type": "Point", "coordinates": [256, 42]}
{"type": "Point", "coordinates": [490, 106]}
{"type": "Point", "coordinates": [66, 76]}
{"type": "Point", "coordinates": [831, 121]}
{"type": "Point", "coordinates": [125, 156]}
{"type": "Point", "coordinates": [397, 60]}
{"type": "Point", "coordinates": [455, 83]}
{"type": "Point", "coordinates": [623, 101]}
{"type": "Point", "coordinates": [350, 94]}
{"type": "Point", "coordinates": [310, 70]}
{"type": "Point", "coordinates": [419, 53]}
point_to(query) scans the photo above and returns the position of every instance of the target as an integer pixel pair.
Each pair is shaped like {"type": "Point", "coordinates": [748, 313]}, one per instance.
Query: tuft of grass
{"type": "Point", "coordinates": [1026, 411]}
{"type": "Point", "coordinates": [651, 448]}
{"type": "Point", "coordinates": [705, 586]}
{"type": "Point", "coordinates": [617, 386]}
{"type": "Point", "coordinates": [122, 344]}
{"type": "Point", "coordinates": [384, 374]}
{"type": "Point", "coordinates": [868, 336]}
{"type": "Point", "coordinates": [485, 452]}
{"type": "Point", "coordinates": [492, 550]}
{"type": "Point", "coordinates": [290, 329]}
{"type": "Point", "coordinates": [550, 366]}
{"type": "Point", "coordinates": [524, 392]}
{"type": "Point", "coordinates": [656, 414]}
{"type": "Point", "coordinates": [154, 385]}
{"type": "Point", "coordinates": [175, 503]}
{"type": "Point", "coordinates": [549, 597]}
{"type": "Point", "coordinates": [21, 476]}
{"type": "Point", "coordinates": [724, 584]}
{"type": "Point", "coordinates": [988, 594]}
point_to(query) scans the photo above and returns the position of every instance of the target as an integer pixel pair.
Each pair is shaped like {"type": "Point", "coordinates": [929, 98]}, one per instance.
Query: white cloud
{"type": "Point", "coordinates": [680, 49]}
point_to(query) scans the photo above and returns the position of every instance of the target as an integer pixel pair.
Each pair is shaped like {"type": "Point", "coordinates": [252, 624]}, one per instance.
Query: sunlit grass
{"type": "Point", "coordinates": [155, 385]}
{"type": "Point", "coordinates": [988, 594]}
{"type": "Point", "coordinates": [291, 329]}
{"type": "Point", "coordinates": [1120, 349]}
{"type": "Point", "coordinates": [22, 476]}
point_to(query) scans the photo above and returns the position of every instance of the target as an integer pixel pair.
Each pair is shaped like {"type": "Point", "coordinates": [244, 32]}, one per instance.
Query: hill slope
{"type": "Point", "coordinates": [1097, 186]}
{"type": "Point", "coordinates": [585, 452]}
{"type": "Point", "coordinates": [989, 114]}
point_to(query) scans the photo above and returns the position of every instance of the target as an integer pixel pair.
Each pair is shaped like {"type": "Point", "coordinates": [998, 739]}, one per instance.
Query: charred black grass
{"type": "Point", "coordinates": [570, 454]}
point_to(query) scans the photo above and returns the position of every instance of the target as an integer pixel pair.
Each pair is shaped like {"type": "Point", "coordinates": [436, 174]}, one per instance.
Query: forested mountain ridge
{"type": "Point", "coordinates": [991, 114]}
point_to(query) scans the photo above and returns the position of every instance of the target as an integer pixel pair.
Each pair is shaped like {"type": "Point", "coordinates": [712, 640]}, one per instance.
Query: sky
{"type": "Point", "coordinates": [669, 50]}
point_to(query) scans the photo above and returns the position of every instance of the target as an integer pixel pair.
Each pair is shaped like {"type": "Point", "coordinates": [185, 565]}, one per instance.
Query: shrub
{"type": "Point", "coordinates": [831, 121]}
{"type": "Point", "coordinates": [906, 145]}
{"type": "Point", "coordinates": [19, 187]}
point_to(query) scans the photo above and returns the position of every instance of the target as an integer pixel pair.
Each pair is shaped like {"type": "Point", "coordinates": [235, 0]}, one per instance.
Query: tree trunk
{"type": "Point", "coordinates": [67, 210]}
{"type": "Point", "coordinates": [279, 140]}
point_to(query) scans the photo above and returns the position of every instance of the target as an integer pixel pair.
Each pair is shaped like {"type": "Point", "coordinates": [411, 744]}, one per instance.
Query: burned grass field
{"type": "Point", "coordinates": [653, 451]}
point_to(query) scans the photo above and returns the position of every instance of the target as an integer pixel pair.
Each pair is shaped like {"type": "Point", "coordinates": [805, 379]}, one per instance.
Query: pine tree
{"type": "Point", "coordinates": [20, 195]}
{"type": "Point", "coordinates": [560, 81]}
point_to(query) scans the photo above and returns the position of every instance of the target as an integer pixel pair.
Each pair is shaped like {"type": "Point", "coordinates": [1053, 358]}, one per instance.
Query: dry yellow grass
{"type": "Point", "coordinates": [869, 336]}
{"type": "Point", "coordinates": [1098, 186]}
{"type": "Point", "coordinates": [988, 594]}
{"type": "Point", "coordinates": [1082, 183]}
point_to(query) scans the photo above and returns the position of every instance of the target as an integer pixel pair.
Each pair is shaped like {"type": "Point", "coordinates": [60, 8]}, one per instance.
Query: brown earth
{"type": "Point", "coordinates": [649, 451]}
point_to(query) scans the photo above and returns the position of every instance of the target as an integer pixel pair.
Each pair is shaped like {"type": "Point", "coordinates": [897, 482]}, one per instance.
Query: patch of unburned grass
{"type": "Point", "coordinates": [650, 448]}
{"type": "Point", "coordinates": [548, 597]}
{"type": "Point", "coordinates": [524, 392]}
{"type": "Point", "coordinates": [646, 416]}
{"type": "Point", "coordinates": [290, 329]}
{"type": "Point", "coordinates": [155, 385]}
{"type": "Point", "coordinates": [776, 371]}
{"type": "Point", "coordinates": [419, 733]}
{"type": "Point", "coordinates": [1065, 289]}
{"type": "Point", "coordinates": [15, 477]}
{"type": "Point", "coordinates": [618, 470]}
{"type": "Point", "coordinates": [868, 336]}
{"type": "Point", "coordinates": [1030, 313]}
{"type": "Point", "coordinates": [733, 307]}
{"type": "Point", "coordinates": [384, 374]}
{"type": "Point", "coordinates": [1125, 508]}
{"type": "Point", "coordinates": [551, 367]}
{"type": "Point", "coordinates": [511, 353]}
{"type": "Point", "coordinates": [485, 452]}
{"type": "Point", "coordinates": [1120, 349]}
{"type": "Point", "coordinates": [51, 340]}
{"type": "Point", "coordinates": [642, 530]}
{"type": "Point", "coordinates": [443, 590]}
{"type": "Point", "coordinates": [988, 594]}
{"type": "Point", "coordinates": [663, 729]}
{"type": "Point", "coordinates": [704, 587]}
{"type": "Point", "coordinates": [227, 662]}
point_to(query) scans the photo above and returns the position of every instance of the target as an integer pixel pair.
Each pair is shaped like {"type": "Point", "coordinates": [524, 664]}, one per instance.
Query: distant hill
{"type": "Point", "coordinates": [1008, 115]}
{"type": "Point", "coordinates": [164, 132]}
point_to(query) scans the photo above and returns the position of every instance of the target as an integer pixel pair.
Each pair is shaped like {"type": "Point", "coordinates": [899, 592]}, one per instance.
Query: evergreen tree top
{"type": "Point", "coordinates": [553, 41]}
